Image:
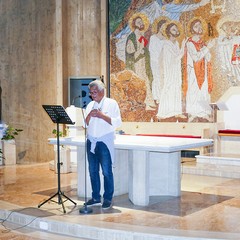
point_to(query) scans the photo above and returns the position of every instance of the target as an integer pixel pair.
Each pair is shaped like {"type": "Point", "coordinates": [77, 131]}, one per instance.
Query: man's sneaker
{"type": "Point", "coordinates": [106, 204]}
{"type": "Point", "coordinates": [93, 202]}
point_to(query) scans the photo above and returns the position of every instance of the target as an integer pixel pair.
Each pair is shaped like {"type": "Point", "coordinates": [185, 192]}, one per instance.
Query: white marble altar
{"type": "Point", "coordinates": [153, 165]}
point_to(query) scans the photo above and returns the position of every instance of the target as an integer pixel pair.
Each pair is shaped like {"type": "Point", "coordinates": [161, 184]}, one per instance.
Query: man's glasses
{"type": "Point", "coordinates": [93, 92]}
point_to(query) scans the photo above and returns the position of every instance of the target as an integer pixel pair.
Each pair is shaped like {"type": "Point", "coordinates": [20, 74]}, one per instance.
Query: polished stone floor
{"type": "Point", "coordinates": [209, 208]}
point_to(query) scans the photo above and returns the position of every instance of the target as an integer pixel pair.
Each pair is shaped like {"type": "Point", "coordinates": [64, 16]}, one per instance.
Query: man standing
{"type": "Point", "coordinates": [197, 82]}
{"type": "Point", "coordinates": [170, 104]}
{"type": "Point", "coordinates": [155, 48]}
{"type": "Point", "coordinates": [137, 54]}
{"type": "Point", "coordinates": [102, 118]}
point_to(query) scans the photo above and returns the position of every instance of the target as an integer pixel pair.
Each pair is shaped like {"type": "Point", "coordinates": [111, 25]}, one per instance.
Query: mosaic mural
{"type": "Point", "coordinates": [170, 59]}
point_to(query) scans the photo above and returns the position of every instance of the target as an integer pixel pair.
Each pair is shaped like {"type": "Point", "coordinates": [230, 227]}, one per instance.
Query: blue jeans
{"type": "Point", "coordinates": [101, 158]}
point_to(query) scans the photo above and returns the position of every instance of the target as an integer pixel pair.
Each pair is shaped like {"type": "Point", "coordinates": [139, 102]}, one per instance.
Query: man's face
{"type": "Point", "coordinates": [229, 28]}
{"type": "Point", "coordinates": [174, 31]}
{"type": "Point", "coordinates": [161, 26]}
{"type": "Point", "coordinates": [161, 29]}
{"type": "Point", "coordinates": [96, 95]}
{"type": "Point", "coordinates": [226, 28]}
{"type": "Point", "coordinates": [197, 28]}
{"type": "Point", "coordinates": [139, 24]}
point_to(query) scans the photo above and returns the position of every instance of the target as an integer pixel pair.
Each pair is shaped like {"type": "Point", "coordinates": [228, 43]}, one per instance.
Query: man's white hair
{"type": "Point", "coordinates": [98, 83]}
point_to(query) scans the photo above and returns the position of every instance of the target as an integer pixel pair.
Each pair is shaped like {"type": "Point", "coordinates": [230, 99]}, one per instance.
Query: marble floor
{"type": "Point", "coordinates": [209, 208]}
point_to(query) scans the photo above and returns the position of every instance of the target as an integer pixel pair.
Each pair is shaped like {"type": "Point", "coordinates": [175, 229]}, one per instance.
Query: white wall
{"type": "Point", "coordinates": [232, 116]}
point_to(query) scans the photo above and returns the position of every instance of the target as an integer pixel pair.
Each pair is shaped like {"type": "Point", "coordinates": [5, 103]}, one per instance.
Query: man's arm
{"type": "Point", "coordinates": [97, 113]}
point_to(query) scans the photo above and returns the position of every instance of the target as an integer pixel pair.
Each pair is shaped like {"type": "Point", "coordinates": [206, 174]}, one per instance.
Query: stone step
{"type": "Point", "coordinates": [72, 226]}
{"type": "Point", "coordinates": [222, 159]}
{"type": "Point", "coordinates": [217, 165]}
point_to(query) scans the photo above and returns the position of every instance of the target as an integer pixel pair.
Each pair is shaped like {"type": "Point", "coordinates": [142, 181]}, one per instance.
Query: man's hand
{"type": "Point", "coordinates": [96, 113]}
{"type": "Point", "coordinates": [99, 114]}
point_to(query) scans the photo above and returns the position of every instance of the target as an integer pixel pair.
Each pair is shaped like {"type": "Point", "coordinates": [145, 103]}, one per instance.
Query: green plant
{"type": "Point", "coordinates": [10, 133]}
{"type": "Point", "coordinates": [60, 133]}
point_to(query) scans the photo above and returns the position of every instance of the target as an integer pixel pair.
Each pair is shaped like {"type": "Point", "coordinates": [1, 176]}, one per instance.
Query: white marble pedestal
{"type": "Point", "coordinates": [9, 152]}
{"type": "Point", "coordinates": [64, 159]}
{"type": "Point", "coordinates": [153, 174]}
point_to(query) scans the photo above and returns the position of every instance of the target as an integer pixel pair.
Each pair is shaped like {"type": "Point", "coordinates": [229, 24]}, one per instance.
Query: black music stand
{"type": "Point", "coordinates": [58, 115]}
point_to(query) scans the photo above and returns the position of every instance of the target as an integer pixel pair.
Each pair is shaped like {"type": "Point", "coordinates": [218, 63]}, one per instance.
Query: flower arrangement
{"type": "Point", "coordinates": [10, 132]}
{"type": "Point", "coordinates": [7, 133]}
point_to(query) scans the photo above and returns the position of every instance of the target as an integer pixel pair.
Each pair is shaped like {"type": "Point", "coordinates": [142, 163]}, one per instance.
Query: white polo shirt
{"type": "Point", "coordinates": [99, 130]}
{"type": "Point", "coordinates": [98, 127]}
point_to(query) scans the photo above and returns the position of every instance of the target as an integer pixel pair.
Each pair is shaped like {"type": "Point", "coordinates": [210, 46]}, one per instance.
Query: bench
{"type": "Point", "coordinates": [228, 142]}
{"type": "Point", "coordinates": [229, 133]}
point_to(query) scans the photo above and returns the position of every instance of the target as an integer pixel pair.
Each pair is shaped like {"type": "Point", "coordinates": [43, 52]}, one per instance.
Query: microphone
{"type": "Point", "coordinates": [73, 101]}
{"type": "Point", "coordinates": [80, 96]}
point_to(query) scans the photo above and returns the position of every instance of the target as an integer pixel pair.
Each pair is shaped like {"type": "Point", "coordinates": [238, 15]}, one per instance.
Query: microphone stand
{"type": "Point", "coordinates": [74, 99]}
{"type": "Point", "coordinates": [85, 209]}
{"type": "Point", "coordinates": [81, 96]}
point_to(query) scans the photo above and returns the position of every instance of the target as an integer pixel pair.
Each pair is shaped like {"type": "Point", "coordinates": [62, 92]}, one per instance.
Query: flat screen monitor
{"type": "Point", "coordinates": [78, 92]}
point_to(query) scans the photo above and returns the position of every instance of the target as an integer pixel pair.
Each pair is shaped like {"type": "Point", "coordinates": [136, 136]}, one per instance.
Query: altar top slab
{"type": "Point", "coordinates": [145, 143]}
